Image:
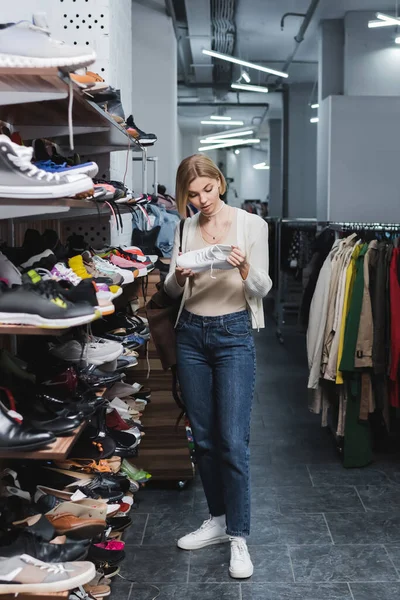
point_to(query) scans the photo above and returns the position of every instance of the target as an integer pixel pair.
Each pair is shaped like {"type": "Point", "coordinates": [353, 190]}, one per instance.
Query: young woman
{"type": "Point", "coordinates": [215, 351]}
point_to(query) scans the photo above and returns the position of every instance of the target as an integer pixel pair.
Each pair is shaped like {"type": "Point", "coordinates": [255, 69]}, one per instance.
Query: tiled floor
{"type": "Point", "coordinates": [319, 532]}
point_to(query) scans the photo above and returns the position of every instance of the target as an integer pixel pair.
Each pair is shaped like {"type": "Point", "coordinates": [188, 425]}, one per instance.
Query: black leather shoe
{"type": "Point", "coordinates": [27, 543]}
{"type": "Point", "coordinates": [17, 436]}
{"type": "Point", "coordinates": [60, 426]}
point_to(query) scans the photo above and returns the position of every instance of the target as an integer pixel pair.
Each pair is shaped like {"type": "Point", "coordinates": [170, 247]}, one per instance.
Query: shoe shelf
{"type": "Point", "coordinates": [15, 208]}
{"type": "Point", "coordinates": [30, 330]}
{"type": "Point", "coordinates": [41, 595]}
{"type": "Point", "coordinates": [58, 450]}
{"type": "Point", "coordinates": [95, 132]}
{"type": "Point", "coordinates": [18, 86]}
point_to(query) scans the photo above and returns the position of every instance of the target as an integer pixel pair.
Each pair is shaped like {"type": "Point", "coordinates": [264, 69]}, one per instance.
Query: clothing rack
{"type": "Point", "coordinates": [282, 305]}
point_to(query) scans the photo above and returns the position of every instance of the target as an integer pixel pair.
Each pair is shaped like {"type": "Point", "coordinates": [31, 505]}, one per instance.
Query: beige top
{"type": "Point", "coordinates": [220, 296]}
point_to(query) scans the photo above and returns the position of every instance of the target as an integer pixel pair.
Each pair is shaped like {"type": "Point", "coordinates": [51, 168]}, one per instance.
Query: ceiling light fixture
{"type": "Point", "coordinates": [244, 75]}
{"type": "Point", "coordinates": [314, 120]}
{"type": "Point", "coordinates": [260, 166]}
{"type": "Point", "coordinates": [397, 40]}
{"type": "Point", "coordinates": [229, 134]}
{"type": "Point", "coordinates": [314, 105]}
{"type": "Point", "coordinates": [250, 65]}
{"type": "Point", "coordinates": [218, 118]}
{"type": "Point", "coordinates": [249, 88]}
{"type": "Point", "coordinates": [237, 151]}
{"type": "Point", "coordinates": [222, 122]}
{"type": "Point", "coordinates": [384, 21]}
{"type": "Point", "coordinates": [229, 144]}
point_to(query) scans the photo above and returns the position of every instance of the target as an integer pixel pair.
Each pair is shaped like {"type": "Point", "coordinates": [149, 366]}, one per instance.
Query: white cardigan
{"type": "Point", "coordinates": [252, 238]}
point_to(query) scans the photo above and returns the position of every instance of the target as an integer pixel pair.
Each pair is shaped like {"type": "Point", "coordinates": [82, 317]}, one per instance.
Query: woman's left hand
{"type": "Point", "coordinates": [237, 259]}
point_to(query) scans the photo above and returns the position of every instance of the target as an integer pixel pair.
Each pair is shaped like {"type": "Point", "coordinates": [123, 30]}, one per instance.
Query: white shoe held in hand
{"type": "Point", "coordinates": [210, 533]}
{"type": "Point", "coordinates": [212, 257]}
{"type": "Point", "coordinates": [240, 566]}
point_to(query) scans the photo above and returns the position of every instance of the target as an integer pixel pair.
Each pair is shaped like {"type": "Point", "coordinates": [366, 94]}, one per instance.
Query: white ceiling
{"type": "Point", "coordinates": [259, 39]}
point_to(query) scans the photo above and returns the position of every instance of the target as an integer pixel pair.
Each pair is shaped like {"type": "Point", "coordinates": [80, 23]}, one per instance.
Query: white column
{"type": "Point", "coordinates": [155, 95]}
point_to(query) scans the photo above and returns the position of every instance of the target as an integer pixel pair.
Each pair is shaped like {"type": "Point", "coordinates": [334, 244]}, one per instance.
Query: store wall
{"type": "Point", "coordinates": [302, 201]}
{"type": "Point", "coordinates": [254, 183]}
{"type": "Point", "coordinates": [154, 77]}
{"type": "Point", "coordinates": [275, 173]}
{"type": "Point", "coordinates": [372, 59]}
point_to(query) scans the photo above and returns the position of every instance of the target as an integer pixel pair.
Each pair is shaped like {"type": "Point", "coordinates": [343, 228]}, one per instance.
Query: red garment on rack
{"type": "Point", "coordinates": [394, 387]}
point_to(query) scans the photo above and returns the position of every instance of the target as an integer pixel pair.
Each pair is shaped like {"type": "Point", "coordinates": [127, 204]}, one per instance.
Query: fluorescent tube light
{"type": "Point", "coordinates": [229, 134]}
{"type": "Point", "coordinates": [314, 120]}
{"type": "Point", "coordinates": [222, 123]}
{"type": "Point", "coordinates": [246, 77]}
{"type": "Point", "coordinates": [217, 118]}
{"type": "Point", "coordinates": [228, 144]}
{"type": "Point", "coordinates": [314, 105]}
{"type": "Point", "coordinates": [384, 21]}
{"type": "Point", "coordinates": [262, 165]}
{"type": "Point", "coordinates": [397, 40]}
{"type": "Point", "coordinates": [214, 141]}
{"type": "Point", "coordinates": [249, 88]}
{"type": "Point", "coordinates": [250, 65]}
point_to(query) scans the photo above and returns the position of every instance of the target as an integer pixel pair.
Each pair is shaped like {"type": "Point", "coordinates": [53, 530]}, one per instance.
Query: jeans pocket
{"type": "Point", "coordinates": [237, 328]}
{"type": "Point", "coordinates": [181, 326]}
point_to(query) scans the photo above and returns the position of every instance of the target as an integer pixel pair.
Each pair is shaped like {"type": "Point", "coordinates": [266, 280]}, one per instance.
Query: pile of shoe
{"type": "Point", "coordinates": [56, 513]}
{"type": "Point", "coordinates": [59, 287]}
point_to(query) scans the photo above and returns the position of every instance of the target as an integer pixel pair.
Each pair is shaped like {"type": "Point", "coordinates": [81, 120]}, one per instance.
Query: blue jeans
{"type": "Point", "coordinates": [216, 370]}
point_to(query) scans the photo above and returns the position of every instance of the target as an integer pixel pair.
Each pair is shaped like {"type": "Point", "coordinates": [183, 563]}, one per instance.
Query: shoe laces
{"type": "Point", "coordinates": [56, 568]}
{"type": "Point", "coordinates": [238, 548]}
{"type": "Point", "coordinates": [22, 161]}
{"type": "Point", "coordinates": [206, 525]}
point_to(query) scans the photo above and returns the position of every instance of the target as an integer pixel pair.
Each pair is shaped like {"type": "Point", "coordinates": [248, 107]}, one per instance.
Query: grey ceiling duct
{"type": "Point", "coordinates": [224, 34]}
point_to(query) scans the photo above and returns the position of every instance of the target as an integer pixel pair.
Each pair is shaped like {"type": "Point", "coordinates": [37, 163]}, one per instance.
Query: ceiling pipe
{"type": "Point", "coordinates": [169, 6]}
{"type": "Point", "coordinates": [290, 14]}
{"type": "Point", "coordinates": [301, 33]}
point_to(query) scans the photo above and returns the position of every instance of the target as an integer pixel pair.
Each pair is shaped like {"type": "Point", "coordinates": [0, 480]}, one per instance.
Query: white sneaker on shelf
{"type": "Point", "coordinates": [9, 271]}
{"type": "Point", "coordinates": [27, 44]}
{"type": "Point", "coordinates": [108, 269]}
{"type": "Point", "coordinates": [210, 533]}
{"type": "Point", "coordinates": [93, 353]}
{"type": "Point", "coordinates": [212, 257]}
{"type": "Point", "coordinates": [240, 566]}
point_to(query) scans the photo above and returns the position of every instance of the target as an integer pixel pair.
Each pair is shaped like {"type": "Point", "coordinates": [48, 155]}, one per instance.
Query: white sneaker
{"type": "Point", "coordinates": [213, 257]}
{"type": "Point", "coordinates": [210, 533]}
{"type": "Point", "coordinates": [93, 353]}
{"type": "Point", "coordinates": [240, 566]}
{"type": "Point", "coordinates": [30, 45]}
{"type": "Point", "coordinates": [9, 271]}
{"type": "Point", "coordinates": [108, 268]}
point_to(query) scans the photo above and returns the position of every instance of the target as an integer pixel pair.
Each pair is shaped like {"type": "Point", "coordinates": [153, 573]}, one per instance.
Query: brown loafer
{"type": "Point", "coordinates": [76, 528]}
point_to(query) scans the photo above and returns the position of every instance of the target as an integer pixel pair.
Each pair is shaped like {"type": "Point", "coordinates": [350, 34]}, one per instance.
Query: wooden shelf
{"type": "Point", "coordinates": [29, 330]}
{"type": "Point", "coordinates": [22, 92]}
{"type": "Point", "coordinates": [58, 450]}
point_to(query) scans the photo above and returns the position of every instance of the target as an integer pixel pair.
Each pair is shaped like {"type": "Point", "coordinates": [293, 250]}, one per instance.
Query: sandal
{"type": "Point", "coordinates": [84, 465]}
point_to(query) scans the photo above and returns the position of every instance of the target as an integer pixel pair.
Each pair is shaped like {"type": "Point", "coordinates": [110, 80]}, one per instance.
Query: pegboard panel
{"type": "Point", "coordinates": [95, 229]}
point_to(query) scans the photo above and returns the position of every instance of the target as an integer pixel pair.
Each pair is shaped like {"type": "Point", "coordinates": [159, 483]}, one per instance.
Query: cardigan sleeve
{"type": "Point", "coordinates": [258, 282]}
{"type": "Point", "coordinates": [171, 286]}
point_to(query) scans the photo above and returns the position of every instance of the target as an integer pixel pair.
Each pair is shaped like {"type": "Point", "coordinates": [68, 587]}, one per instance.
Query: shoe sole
{"type": "Point", "coordinates": [13, 60]}
{"type": "Point", "coordinates": [214, 542]}
{"type": "Point", "coordinates": [89, 171]}
{"type": "Point", "coordinates": [55, 586]}
{"type": "Point", "coordinates": [43, 192]}
{"type": "Point", "coordinates": [43, 323]}
{"type": "Point", "coordinates": [146, 142]}
{"type": "Point", "coordinates": [241, 574]}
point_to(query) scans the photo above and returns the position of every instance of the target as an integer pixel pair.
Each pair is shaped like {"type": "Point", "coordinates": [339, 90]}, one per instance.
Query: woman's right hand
{"type": "Point", "coordinates": [182, 274]}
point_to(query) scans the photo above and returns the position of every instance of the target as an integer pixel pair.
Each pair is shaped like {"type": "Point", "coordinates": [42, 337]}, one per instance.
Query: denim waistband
{"type": "Point", "coordinates": [189, 317]}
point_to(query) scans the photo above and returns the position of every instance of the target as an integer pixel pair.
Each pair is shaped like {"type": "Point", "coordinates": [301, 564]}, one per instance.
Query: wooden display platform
{"type": "Point", "coordinates": [164, 451]}
{"type": "Point", "coordinates": [58, 450]}
{"type": "Point", "coordinates": [29, 330]}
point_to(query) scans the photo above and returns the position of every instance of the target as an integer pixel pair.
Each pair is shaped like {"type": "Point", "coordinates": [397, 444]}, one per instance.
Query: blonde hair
{"type": "Point", "coordinates": [190, 168]}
